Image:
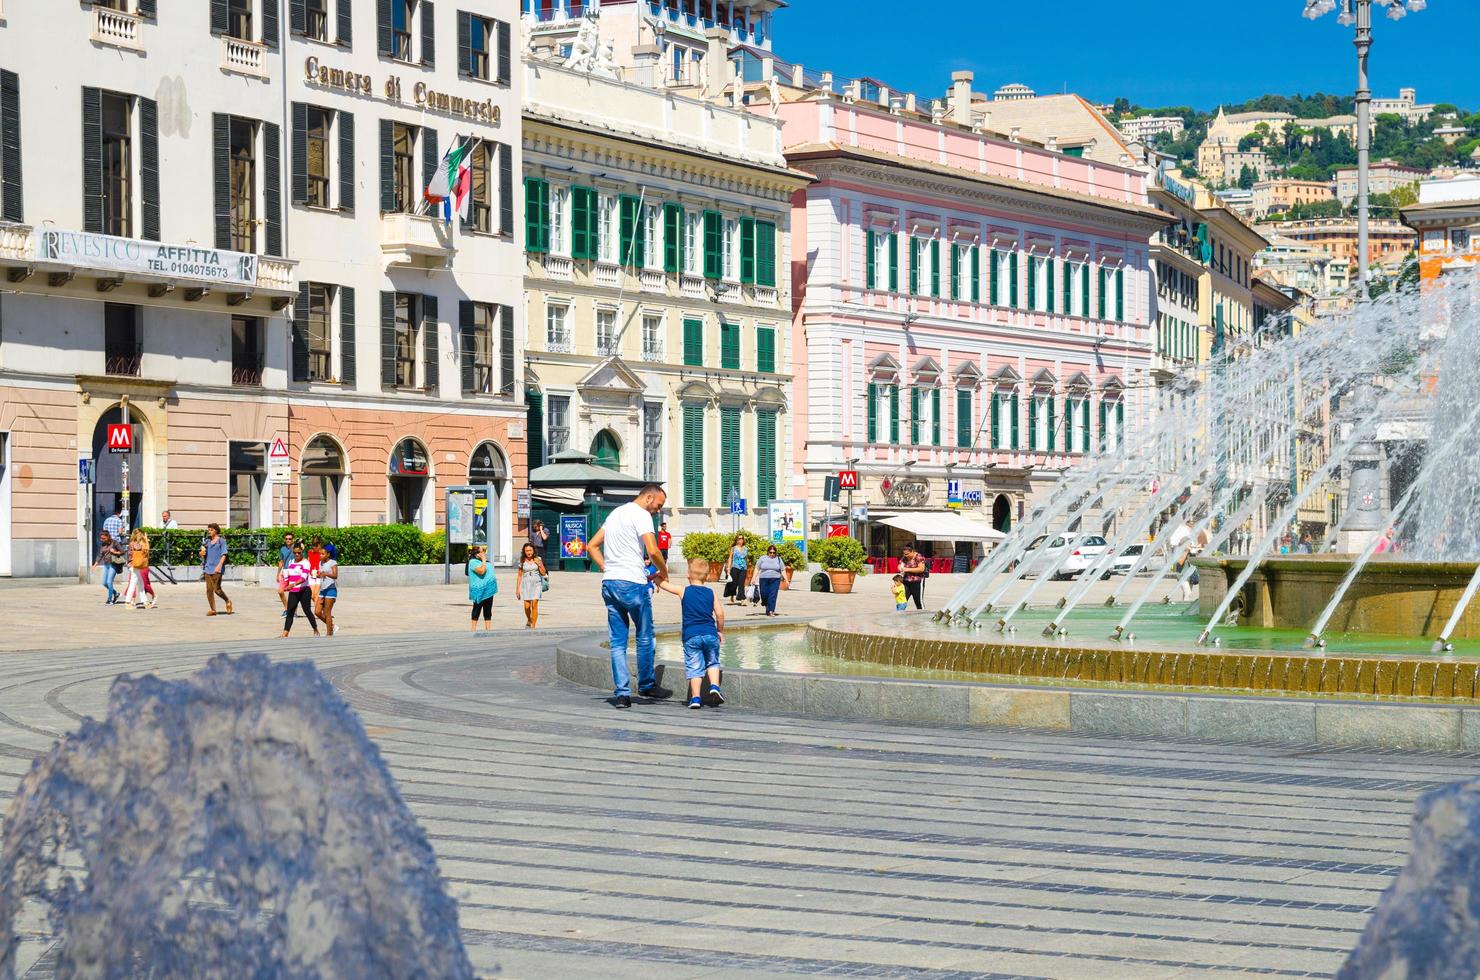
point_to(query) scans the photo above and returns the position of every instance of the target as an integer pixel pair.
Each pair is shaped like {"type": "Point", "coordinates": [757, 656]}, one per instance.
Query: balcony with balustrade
{"type": "Point", "coordinates": [240, 57]}
{"type": "Point", "coordinates": [415, 241]}
{"type": "Point", "coordinates": [117, 29]}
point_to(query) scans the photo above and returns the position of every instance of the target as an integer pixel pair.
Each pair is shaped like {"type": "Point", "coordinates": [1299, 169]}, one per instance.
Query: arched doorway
{"type": "Point", "coordinates": [488, 468]}
{"type": "Point", "coordinates": [607, 450]}
{"type": "Point", "coordinates": [321, 483]}
{"type": "Point", "coordinates": [109, 468]}
{"type": "Point", "coordinates": [410, 474]}
{"type": "Point", "coordinates": [1002, 513]}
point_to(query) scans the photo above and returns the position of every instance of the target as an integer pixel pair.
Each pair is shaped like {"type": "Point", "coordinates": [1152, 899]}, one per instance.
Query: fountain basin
{"type": "Point", "coordinates": [1397, 598]}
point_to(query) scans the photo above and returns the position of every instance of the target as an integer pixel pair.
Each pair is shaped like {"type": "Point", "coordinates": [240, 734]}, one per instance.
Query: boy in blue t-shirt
{"type": "Point", "coordinates": [703, 631]}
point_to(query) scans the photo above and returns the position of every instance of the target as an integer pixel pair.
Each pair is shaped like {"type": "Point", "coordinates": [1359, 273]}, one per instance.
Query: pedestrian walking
{"type": "Point", "coordinates": [912, 566]}
{"type": "Point", "coordinates": [138, 571]}
{"type": "Point", "coordinates": [665, 540]}
{"type": "Point", "coordinates": [285, 555]}
{"type": "Point", "coordinates": [619, 549]}
{"type": "Point", "coordinates": [314, 553]}
{"type": "Point", "coordinates": [300, 598]}
{"type": "Point", "coordinates": [328, 588]}
{"type": "Point", "coordinates": [703, 634]}
{"type": "Point", "coordinates": [735, 569]}
{"type": "Point", "coordinates": [213, 566]}
{"type": "Point", "coordinates": [769, 571]}
{"type": "Point", "coordinates": [115, 526]}
{"type": "Point", "coordinates": [531, 584]}
{"type": "Point", "coordinates": [110, 558]}
{"type": "Point", "coordinates": [482, 585]}
{"type": "Point", "coordinates": [538, 535]}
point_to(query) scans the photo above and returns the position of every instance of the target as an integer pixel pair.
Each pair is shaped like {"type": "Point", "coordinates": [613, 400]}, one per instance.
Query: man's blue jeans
{"type": "Point", "coordinates": [629, 604]}
{"type": "Point", "coordinates": [110, 573]}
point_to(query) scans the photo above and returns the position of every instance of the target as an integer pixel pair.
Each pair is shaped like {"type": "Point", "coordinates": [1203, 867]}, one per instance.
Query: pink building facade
{"type": "Point", "coordinates": [972, 312]}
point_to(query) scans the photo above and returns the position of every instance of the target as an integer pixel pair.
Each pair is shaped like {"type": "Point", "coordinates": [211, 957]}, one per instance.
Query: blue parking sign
{"type": "Point", "coordinates": [737, 506]}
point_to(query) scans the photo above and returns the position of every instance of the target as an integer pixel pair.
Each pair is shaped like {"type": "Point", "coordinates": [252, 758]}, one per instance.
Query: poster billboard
{"type": "Point", "coordinates": [572, 536]}
{"type": "Point", "coordinates": [789, 522]}
{"type": "Point", "coordinates": [467, 516]}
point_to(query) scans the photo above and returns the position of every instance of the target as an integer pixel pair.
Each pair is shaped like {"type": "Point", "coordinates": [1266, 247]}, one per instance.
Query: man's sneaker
{"type": "Point", "coordinates": [695, 703]}
{"type": "Point", "coordinates": [715, 698]}
{"type": "Point", "coordinates": [623, 702]}
{"type": "Point", "coordinates": [656, 693]}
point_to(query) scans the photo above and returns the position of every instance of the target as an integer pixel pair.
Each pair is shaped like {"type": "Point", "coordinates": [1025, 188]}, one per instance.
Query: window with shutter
{"type": "Point", "coordinates": [272, 190]}
{"type": "Point", "coordinates": [505, 350]}
{"type": "Point", "coordinates": [1012, 279]}
{"type": "Point", "coordinates": [914, 415]}
{"type": "Point", "coordinates": [1100, 291]}
{"type": "Point", "coordinates": [994, 272]}
{"type": "Point", "coordinates": [301, 317]}
{"type": "Point", "coordinates": [872, 409]}
{"type": "Point", "coordinates": [955, 292]}
{"type": "Point", "coordinates": [1015, 411]}
{"type": "Point", "coordinates": [765, 451]}
{"type": "Point", "coordinates": [1084, 425]}
{"type": "Point", "coordinates": [714, 264]}
{"type": "Point", "coordinates": [1050, 440]}
{"type": "Point", "coordinates": [935, 416]}
{"type": "Point", "coordinates": [1104, 406]}
{"type": "Point", "coordinates": [729, 346]}
{"type": "Point", "coordinates": [11, 196]}
{"type": "Point", "coordinates": [976, 273]}
{"type": "Point", "coordinates": [747, 250]}
{"type": "Point", "coordinates": [893, 262]}
{"type": "Point", "coordinates": [348, 373]}
{"type": "Point", "coordinates": [585, 232]}
{"type": "Point", "coordinates": [894, 414]}
{"type": "Point", "coordinates": [998, 412]}
{"type": "Point", "coordinates": [1068, 287]}
{"type": "Point", "coordinates": [1033, 266]}
{"type": "Point", "coordinates": [537, 215]}
{"type": "Point", "coordinates": [729, 455]}
{"type": "Point", "coordinates": [693, 342]}
{"type": "Point", "coordinates": [1084, 289]}
{"type": "Point", "coordinates": [765, 350]}
{"type": "Point", "coordinates": [693, 456]}
{"type": "Point", "coordinates": [765, 253]}
{"type": "Point", "coordinates": [672, 237]}
{"type": "Point", "coordinates": [870, 266]}
{"type": "Point", "coordinates": [914, 266]}
{"type": "Point", "coordinates": [388, 341]}
{"type": "Point", "coordinates": [503, 45]}
{"type": "Point", "coordinates": [964, 422]}
{"type": "Point", "coordinates": [344, 33]}
{"type": "Point", "coordinates": [1120, 295]}
{"type": "Point", "coordinates": [1120, 424]}
{"type": "Point", "coordinates": [428, 18]}
{"type": "Point", "coordinates": [935, 267]}
{"type": "Point", "coordinates": [431, 330]}
{"type": "Point", "coordinates": [534, 426]}
{"type": "Point", "coordinates": [1033, 423]}
{"type": "Point", "coordinates": [630, 240]}
{"type": "Point", "coordinates": [1049, 277]}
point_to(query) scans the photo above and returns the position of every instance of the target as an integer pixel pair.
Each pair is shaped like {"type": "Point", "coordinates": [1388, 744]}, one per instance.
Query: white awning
{"type": "Point", "coordinates": [559, 496]}
{"type": "Point", "coordinates": [942, 526]}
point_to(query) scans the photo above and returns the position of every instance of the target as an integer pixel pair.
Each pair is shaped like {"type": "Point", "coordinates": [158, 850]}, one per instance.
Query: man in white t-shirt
{"type": "Point", "coordinates": [622, 549]}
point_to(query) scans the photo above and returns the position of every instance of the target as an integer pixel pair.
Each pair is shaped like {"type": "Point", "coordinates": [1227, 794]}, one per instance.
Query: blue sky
{"type": "Point", "coordinates": [1197, 54]}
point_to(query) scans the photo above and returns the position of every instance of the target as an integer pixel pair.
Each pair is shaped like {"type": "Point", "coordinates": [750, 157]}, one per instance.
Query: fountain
{"type": "Point", "coordinates": [239, 817]}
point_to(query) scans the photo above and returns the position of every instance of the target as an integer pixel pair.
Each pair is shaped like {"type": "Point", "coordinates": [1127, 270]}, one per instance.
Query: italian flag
{"type": "Point", "coordinates": [451, 184]}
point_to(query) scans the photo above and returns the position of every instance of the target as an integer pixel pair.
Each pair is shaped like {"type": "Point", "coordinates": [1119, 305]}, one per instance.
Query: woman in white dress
{"type": "Point", "coordinates": [531, 584]}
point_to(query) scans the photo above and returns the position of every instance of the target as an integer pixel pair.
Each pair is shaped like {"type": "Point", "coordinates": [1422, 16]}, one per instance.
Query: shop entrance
{"type": "Point", "coordinates": [4, 503]}
{"type": "Point", "coordinates": [1002, 513]}
{"type": "Point", "coordinates": [108, 486]}
{"type": "Point", "coordinates": [410, 480]}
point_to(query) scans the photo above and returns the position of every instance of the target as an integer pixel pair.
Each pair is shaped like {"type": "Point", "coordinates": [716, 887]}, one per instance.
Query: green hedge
{"type": "Point", "coordinates": [715, 547]}
{"type": "Point", "coordinates": [367, 544]}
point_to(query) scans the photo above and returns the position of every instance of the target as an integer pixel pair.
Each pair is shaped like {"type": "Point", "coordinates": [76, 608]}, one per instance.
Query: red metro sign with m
{"type": "Point", "coordinates": [120, 438]}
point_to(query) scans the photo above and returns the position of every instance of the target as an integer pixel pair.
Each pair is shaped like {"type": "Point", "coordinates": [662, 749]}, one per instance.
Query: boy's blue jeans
{"type": "Point", "coordinates": [629, 604]}
{"type": "Point", "coordinates": [699, 654]}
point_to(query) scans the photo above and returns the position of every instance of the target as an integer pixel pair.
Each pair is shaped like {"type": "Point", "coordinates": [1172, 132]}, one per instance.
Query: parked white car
{"type": "Point", "coordinates": [1132, 554]}
{"type": "Point", "coordinates": [1068, 553]}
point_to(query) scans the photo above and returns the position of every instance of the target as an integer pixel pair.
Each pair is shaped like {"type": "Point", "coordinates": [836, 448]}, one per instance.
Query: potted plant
{"type": "Point", "coordinates": [843, 560]}
{"type": "Point", "coordinates": [791, 555]}
{"type": "Point", "coordinates": [712, 546]}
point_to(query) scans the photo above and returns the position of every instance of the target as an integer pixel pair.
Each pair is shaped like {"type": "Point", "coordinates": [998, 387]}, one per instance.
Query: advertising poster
{"type": "Point", "coordinates": [467, 516]}
{"type": "Point", "coordinates": [572, 537]}
{"type": "Point", "coordinates": [789, 522]}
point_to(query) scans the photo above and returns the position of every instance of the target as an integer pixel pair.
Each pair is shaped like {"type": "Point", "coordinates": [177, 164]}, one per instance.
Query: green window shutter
{"type": "Point", "coordinates": [995, 409]}
{"type": "Point", "coordinates": [765, 350]}
{"type": "Point", "coordinates": [935, 267]}
{"type": "Point", "coordinates": [714, 245]}
{"type": "Point", "coordinates": [963, 418]}
{"type": "Point", "coordinates": [536, 215]}
{"type": "Point", "coordinates": [729, 346]}
{"type": "Point", "coordinates": [870, 271]}
{"type": "Point", "coordinates": [765, 253]}
{"type": "Point", "coordinates": [914, 266]}
{"type": "Point", "coordinates": [994, 274]}
{"type": "Point", "coordinates": [893, 262]}
{"type": "Point", "coordinates": [747, 251]}
{"type": "Point", "coordinates": [631, 241]}
{"type": "Point", "coordinates": [955, 271]}
{"type": "Point", "coordinates": [1012, 279]}
{"type": "Point", "coordinates": [976, 274]}
{"type": "Point", "coordinates": [729, 455]}
{"type": "Point", "coordinates": [1084, 289]}
{"type": "Point", "coordinates": [1100, 298]}
{"type": "Point", "coordinates": [693, 456]}
{"type": "Point", "coordinates": [1120, 424]}
{"type": "Point", "coordinates": [1084, 425]}
{"type": "Point", "coordinates": [1051, 439]}
{"type": "Point", "coordinates": [1033, 282]}
{"type": "Point", "coordinates": [1068, 298]}
{"type": "Point", "coordinates": [1120, 295]}
{"type": "Point", "coordinates": [534, 426]}
{"type": "Point", "coordinates": [1032, 422]}
{"type": "Point", "coordinates": [583, 228]}
{"type": "Point", "coordinates": [935, 416]}
{"type": "Point", "coordinates": [873, 412]}
{"type": "Point", "coordinates": [1102, 425]}
{"type": "Point", "coordinates": [914, 415]}
{"type": "Point", "coordinates": [1049, 277]}
{"type": "Point", "coordinates": [693, 343]}
{"type": "Point", "coordinates": [672, 237]}
{"type": "Point", "coordinates": [765, 450]}
{"type": "Point", "coordinates": [894, 414]}
{"type": "Point", "coordinates": [1016, 411]}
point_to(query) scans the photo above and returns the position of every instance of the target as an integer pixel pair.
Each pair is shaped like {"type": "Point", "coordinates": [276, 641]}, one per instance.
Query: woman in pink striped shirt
{"type": "Point", "coordinates": [295, 584]}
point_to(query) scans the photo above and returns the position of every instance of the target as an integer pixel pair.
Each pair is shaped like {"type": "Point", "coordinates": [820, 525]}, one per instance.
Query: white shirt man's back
{"type": "Point", "coordinates": [626, 557]}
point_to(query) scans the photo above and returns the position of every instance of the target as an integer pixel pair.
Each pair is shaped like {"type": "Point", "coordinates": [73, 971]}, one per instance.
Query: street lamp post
{"type": "Point", "coordinates": [1359, 13]}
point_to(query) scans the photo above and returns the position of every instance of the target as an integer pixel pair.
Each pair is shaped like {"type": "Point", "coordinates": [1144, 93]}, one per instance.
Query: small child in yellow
{"type": "Point", "coordinates": [899, 595]}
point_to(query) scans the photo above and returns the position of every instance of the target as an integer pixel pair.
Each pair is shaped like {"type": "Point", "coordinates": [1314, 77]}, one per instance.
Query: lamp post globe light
{"type": "Point", "coordinates": [1359, 13]}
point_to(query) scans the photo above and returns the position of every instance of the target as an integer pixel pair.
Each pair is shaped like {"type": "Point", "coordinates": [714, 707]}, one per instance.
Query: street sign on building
{"type": "Point", "coordinates": [848, 480]}
{"type": "Point", "coordinates": [87, 473]}
{"type": "Point", "coordinates": [830, 487]}
{"type": "Point", "coordinates": [120, 438]}
{"type": "Point", "coordinates": [737, 506]}
{"type": "Point", "coordinates": [279, 467]}
{"type": "Point", "coordinates": [523, 502]}
{"type": "Point", "coordinates": [953, 494]}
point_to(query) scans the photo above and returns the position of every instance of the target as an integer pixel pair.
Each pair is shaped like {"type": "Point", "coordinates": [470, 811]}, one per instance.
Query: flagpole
{"type": "Point", "coordinates": [638, 228]}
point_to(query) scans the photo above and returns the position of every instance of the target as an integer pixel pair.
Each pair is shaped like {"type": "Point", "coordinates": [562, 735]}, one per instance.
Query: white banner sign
{"type": "Point", "coordinates": [89, 251]}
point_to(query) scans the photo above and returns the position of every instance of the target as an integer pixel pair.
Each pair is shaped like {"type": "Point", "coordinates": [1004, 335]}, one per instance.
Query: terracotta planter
{"type": "Point", "coordinates": [786, 574]}
{"type": "Point", "coordinates": [714, 571]}
{"type": "Point", "coordinates": [842, 582]}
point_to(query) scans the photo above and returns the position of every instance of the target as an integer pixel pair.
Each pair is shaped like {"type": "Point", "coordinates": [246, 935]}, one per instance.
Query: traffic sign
{"type": "Point", "coordinates": [279, 468]}
{"type": "Point", "coordinates": [737, 506]}
{"type": "Point", "coordinates": [120, 438]}
{"type": "Point", "coordinates": [848, 480]}
{"type": "Point", "coordinates": [278, 449]}
{"type": "Point", "coordinates": [86, 472]}
{"type": "Point", "coordinates": [830, 489]}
